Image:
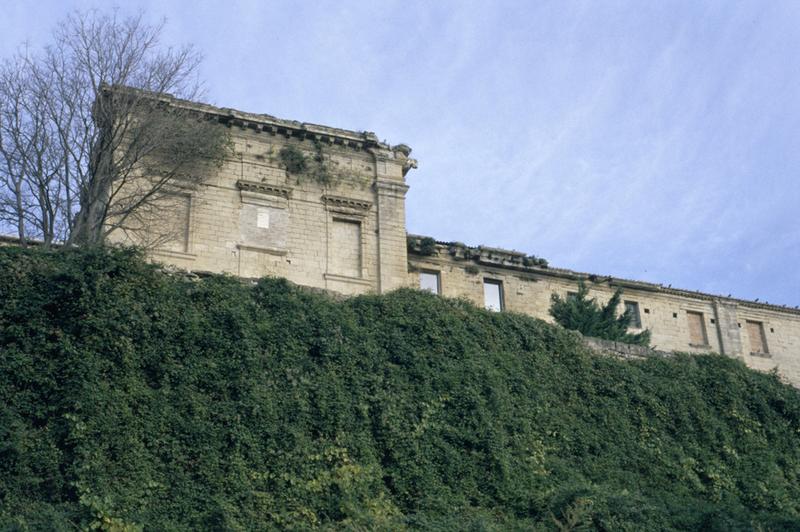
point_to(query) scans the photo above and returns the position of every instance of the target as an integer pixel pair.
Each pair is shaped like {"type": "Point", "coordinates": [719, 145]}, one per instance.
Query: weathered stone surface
{"type": "Point", "coordinates": [346, 233]}
{"type": "Point", "coordinates": [527, 289]}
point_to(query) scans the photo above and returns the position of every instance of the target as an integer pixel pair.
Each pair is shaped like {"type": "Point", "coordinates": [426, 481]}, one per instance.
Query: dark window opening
{"type": "Point", "coordinates": [632, 309]}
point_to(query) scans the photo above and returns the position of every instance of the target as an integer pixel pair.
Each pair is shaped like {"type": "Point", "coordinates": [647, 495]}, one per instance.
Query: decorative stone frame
{"type": "Point", "coordinates": [350, 210]}
{"type": "Point", "coordinates": [703, 317]}
{"type": "Point", "coordinates": [253, 192]}
{"type": "Point", "coordinates": [759, 326]}
{"type": "Point", "coordinates": [263, 195]}
{"type": "Point", "coordinates": [189, 253]}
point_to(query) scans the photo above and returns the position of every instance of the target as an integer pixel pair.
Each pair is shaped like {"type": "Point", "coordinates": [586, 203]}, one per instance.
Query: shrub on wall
{"type": "Point", "coordinates": [317, 168]}
{"type": "Point", "coordinates": [293, 159]}
{"type": "Point", "coordinates": [425, 245]}
{"type": "Point", "coordinates": [579, 313]}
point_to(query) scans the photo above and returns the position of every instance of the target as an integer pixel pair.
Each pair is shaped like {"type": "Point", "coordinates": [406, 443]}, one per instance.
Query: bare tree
{"type": "Point", "coordinates": [94, 132]}
{"type": "Point", "coordinates": [28, 171]}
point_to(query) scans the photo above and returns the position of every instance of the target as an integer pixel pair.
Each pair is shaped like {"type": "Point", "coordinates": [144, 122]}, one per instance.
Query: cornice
{"type": "Point", "coordinates": [264, 188]}
{"type": "Point", "coordinates": [392, 188]}
{"type": "Point", "coordinates": [264, 123]}
{"type": "Point", "coordinates": [340, 203]}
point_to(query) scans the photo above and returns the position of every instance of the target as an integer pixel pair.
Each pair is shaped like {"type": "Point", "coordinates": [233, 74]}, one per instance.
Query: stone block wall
{"type": "Point", "coordinates": [623, 350]}
{"type": "Point", "coordinates": [666, 312]}
{"type": "Point", "coordinates": [339, 225]}
{"type": "Point", "coordinates": [343, 230]}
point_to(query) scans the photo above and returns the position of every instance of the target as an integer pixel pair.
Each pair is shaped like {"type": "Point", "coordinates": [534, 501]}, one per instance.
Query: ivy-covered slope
{"type": "Point", "coordinates": [133, 398]}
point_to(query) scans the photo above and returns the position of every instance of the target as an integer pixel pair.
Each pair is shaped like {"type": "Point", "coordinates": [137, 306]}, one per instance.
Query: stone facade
{"type": "Point", "coordinates": [339, 224]}
{"type": "Point", "coordinates": [722, 325]}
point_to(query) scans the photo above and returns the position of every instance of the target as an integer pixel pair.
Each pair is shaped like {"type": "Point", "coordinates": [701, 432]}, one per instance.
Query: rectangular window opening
{"type": "Point", "coordinates": [697, 329]}
{"type": "Point", "coordinates": [632, 308]}
{"type": "Point", "coordinates": [493, 295]}
{"type": "Point", "coordinates": [758, 340]}
{"type": "Point", "coordinates": [346, 248]}
{"type": "Point", "coordinates": [429, 280]}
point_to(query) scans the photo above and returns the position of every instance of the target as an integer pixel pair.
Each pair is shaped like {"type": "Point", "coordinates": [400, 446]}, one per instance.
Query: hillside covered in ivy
{"type": "Point", "coordinates": [133, 399]}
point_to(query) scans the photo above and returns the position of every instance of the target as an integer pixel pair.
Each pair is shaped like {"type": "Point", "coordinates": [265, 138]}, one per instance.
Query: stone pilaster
{"type": "Point", "coordinates": [392, 250]}
{"type": "Point", "coordinates": [730, 338]}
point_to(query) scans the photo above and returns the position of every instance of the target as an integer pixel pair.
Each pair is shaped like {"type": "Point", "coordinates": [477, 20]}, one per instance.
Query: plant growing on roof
{"type": "Point", "coordinates": [427, 246]}
{"type": "Point", "coordinates": [533, 260]}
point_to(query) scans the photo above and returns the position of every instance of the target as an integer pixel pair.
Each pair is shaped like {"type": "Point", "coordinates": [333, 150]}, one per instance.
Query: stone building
{"type": "Point", "coordinates": [325, 207]}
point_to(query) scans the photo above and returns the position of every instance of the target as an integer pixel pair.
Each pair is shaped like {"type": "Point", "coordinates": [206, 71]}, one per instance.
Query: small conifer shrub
{"type": "Point", "coordinates": [579, 313]}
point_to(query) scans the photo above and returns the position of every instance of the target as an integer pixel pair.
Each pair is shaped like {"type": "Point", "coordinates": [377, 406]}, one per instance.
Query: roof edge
{"type": "Point", "coordinates": [268, 123]}
{"type": "Point", "coordinates": [518, 261]}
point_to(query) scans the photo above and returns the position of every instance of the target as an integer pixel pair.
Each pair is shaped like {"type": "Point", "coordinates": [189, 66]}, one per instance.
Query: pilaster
{"type": "Point", "coordinates": [392, 251]}
{"type": "Point", "coordinates": [730, 338]}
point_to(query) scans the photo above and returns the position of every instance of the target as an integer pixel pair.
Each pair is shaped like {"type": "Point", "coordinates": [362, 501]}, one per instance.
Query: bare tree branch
{"type": "Point", "coordinates": [89, 134]}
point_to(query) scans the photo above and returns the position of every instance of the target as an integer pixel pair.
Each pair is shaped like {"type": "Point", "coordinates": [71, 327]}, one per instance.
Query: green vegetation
{"type": "Point", "coordinates": [293, 159]}
{"type": "Point", "coordinates": [533, 260]}
{"type": "Point", "coordinates": [132, 398]}
{"type": "Point", "coordinates": [579, 313]}
{"type": "Point", "coordinates": [423, 245]}
{"type": "Point", "coordinates": [317, 168]}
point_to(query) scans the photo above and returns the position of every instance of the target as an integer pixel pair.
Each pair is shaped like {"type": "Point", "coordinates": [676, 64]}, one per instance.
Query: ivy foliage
{"type": "Point", "coordinates": [579, 313]}
{"type": "Point", "coordinates": [131, 399]}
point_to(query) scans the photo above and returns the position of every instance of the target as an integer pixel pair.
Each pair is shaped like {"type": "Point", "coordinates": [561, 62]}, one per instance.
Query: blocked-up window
{"type": "Point", "coordinates": [178, 239]}
{"type": "Point", "coordinates": [493, 295]}
{"type": "Point", "coordinates": [697, 328]}
{"type": "Point", "coordinates": [429, 280]}
{"type": "Point", "coordinates": [162, 224]}
{"type": "Point", "coordinates": [264, 224]}
{"type": "Point", "coordinates": [346, 248]}
{"type": "Point", "coordinates": [262, 219]}
{"type": "Point", "coordinates": [632, 308]}
{"type": "Point", "coordinates": [758, 340]}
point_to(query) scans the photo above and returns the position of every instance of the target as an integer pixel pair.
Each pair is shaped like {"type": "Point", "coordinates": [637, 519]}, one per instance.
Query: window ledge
{"type": "Point", "coordinates": [262, 249]}
{"type": "Point", "coordinates": [347, 279]}
{"type": "Point", "coordinates": [760, 354]}
{"type": "Point", "coordinates": [176, 254]}
{"type": "Point", "coordinates": [700, 346]}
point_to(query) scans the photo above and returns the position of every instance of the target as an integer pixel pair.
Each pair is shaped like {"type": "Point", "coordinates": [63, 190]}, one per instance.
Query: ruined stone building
{"type": "Point", "coordinates": [325, 207]}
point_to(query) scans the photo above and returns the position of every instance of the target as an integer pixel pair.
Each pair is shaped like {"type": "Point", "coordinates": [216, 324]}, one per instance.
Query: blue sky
{"type": "Point", "coordinates": [657, 141]}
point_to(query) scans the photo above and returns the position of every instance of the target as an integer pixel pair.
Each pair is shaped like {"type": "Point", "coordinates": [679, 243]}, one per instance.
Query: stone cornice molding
{"type": "Point", "coordinates": [264, 188]}
{"type": "Point", "coordinates": [346, 205]}
{"type": "Point", "coordinates": [357, 140]}
{"type": "Point", "coordinates": [391, 188]}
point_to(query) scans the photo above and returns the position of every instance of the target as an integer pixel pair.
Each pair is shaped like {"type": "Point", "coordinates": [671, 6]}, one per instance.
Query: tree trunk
{"type": "Point", "coordinates": [20, 215]}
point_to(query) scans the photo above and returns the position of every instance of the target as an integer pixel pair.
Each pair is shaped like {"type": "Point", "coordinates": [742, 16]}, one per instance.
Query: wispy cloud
{"type": "Point", "coordinates": [656, 140]}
